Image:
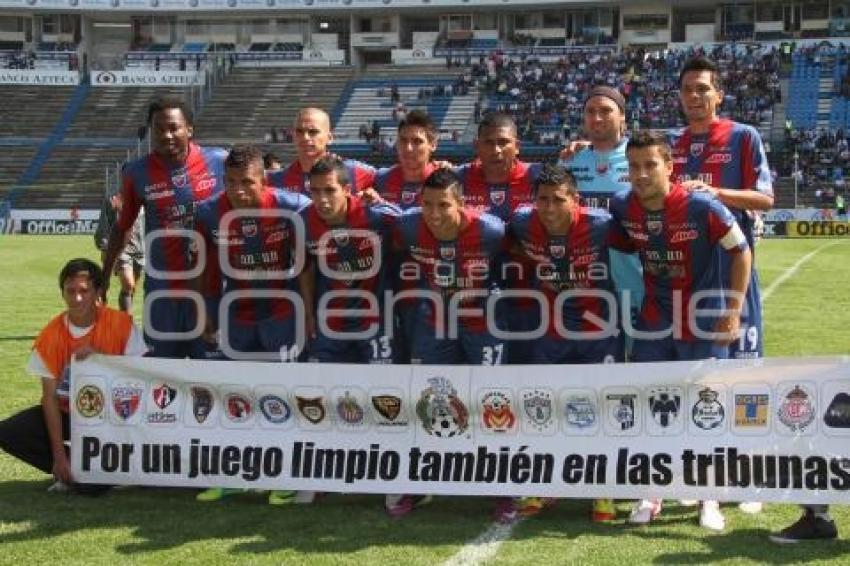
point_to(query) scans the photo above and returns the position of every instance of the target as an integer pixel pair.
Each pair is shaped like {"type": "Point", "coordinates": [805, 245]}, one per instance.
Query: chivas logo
{"type": "Point", "coordinates": [388, 406]}
{"type": "Point", "coordinates": [126, 399]}
{"type": "Point", "coordinates": [664, 404]}
{"type": "Point", "coordinates": [90, 401]}
{"type": "Point", "coordinates": [796, 410]}
{"type": "Point", "coordinates": [237, 407]}
{"type": "Point", "coordinates": [708, 413]}
{"type": "Point", "coordinates": [349, 410]}
{"type": "Point", "coordinates": [163, 395]}
{"type": "Point", "coordinates": [498, 197]}
{"type": "Point", "coordinates": [497, 413]}
{"type": "Point", "coordinates": [440, 410]}
{"type": "Point", "coordinates": [202, 403]}
{"type": "Point", "coordinates": [312, 408]}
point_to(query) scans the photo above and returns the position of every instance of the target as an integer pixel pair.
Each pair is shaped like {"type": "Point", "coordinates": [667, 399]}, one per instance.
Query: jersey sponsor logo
{"type": "Point", "coordinates": [497, 414]}
{"type": "Point", "coordinates": [498, 197]}
{"type": "Point", "coordinates": [206, 184]}
{"type": "Point", "coordinates": [440, 411]}
{"type": "Point", "coordinates": [620, 408]}
{"type": "Point", "coordinates": [580, 411]}
{"type": "Point", "coordinates": [664, 405]}
{"type": "Point", "coordinates": [237, 407]}
{"type": "Point", "coordinates": [348, 410]}
{"type": "Point", "coordinates": [311, 408]}
{"type": "Point", "coordinates": [708, 413]}
{"type": "Point", "coordinates": [90, 401]}
{"type": "Point", "coordinates": [751, 409]}
{"type": "Point", "coordinates": [837, 414]}
{"type": "Point", "coordinates": [719, 158]}
{"type": "Point", "coordinates": [538, 409]}
{"type": "Point", "coordinates": [202, 403]}
{"type": "Point", "coordinates": [796, 410]}
{"type": "Point", "coordinates": [274, 409]}
{"type": "Point", "coordinates": [126, 399]}
{"type": "Point", "coordinates": [684, 236]}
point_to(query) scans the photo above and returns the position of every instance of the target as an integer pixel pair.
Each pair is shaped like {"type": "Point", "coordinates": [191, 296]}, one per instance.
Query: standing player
{"type": "Point", "coordinates": [131, 261]}
{"type": "Point", "coordinates": [346, 254]}
{"type": "Point", "coordinates": [728, 160]}
{"type": "Point", "coordinates": [312, 130]}
{"type": "Point", "coordinates": [168, 183]}
{"type": "Point", "coordinates": [678, 236]}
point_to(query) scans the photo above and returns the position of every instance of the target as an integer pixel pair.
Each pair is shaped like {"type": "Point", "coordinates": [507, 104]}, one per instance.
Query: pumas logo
{"type": "Point", "coordinates": [249, 228]}
{"type": "Point", "coordinates": [796, 410]}
{"type": "Point", "coordinates": [89, 401]}
{"type": "Point", "coordinates": [621, 410]}
{"type": "Point", "coordinates": [751, 409]}
{"type": "Point", "coordinates": [440, 410]}
{"type": "Point", "coordinates": [497, 414]}
{"type": "Point", "coordinates": [349, 411]}
{"type": "Point", "coordinates": [697, 148]}
{"type": "Point", "coordinates": [388, 407]}
{"type": "Point", "coordinates": [274, 409]}
{"type": "Point", "coordinates": [126, 399]}
{"type": "Point", "coordinates": [497, 197]}
{"type": "Point", "coordinates": [537, 408]}
{"type": "Point", "coordinates": [448, 253]}
{"type": "Point", "coordinates": [408, 197]}
{"type": "Point", "coordinates": [557, 251]}
{"type": "Point", "coordinates": [580, 411]}
{"type": "Point", "coordinates": [664, 405]}
{"type": "Point", "coordinates": [202, 403]}
{"type": "Point", "coordinates": [237, 407]}
{"type": "Point", "coordinates": [311, 408]}
{"type": "Point", "coordinates": [708, 413]}
{"type": "Point", "coordinates": [163, 395]}
{"type": "Point", "coordinates": [838, 412]}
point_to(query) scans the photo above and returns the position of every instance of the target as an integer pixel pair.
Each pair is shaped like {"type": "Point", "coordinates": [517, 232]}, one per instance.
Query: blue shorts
{"type": "Point", "coordinates": [173, 315]}
{"type": "Point", "coordinates": [267, 336]}
{"type": "Point", "coordinates": [522, 318]}
{"type": "Point", "coordinates": [380, 349]}
{"type": "Point", "coordinates": [671, 350]}
{"type": "Point", "coordinates": [470, 347]}
{"type": "Point", "coordinates": [751, 342]}
{"type": "Point", "coordinates": [557, 350]}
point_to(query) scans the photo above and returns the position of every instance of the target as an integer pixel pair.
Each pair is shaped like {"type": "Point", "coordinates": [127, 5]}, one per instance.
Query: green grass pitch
{"type": "Point", "coordinates": [805, 315]}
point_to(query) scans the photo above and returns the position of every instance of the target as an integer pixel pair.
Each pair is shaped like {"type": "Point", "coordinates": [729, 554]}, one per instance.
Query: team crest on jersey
{"type": "Point", "coordinates": [837, 414]}
{"type": "Point", "coordinates": [237, 407]}
{"type": "Point", "coordinates": [796, 410]}
{"type": "Point", "coordinates": [580, 411]}
{"type": "Point", "coordinates": [751, 409]}
{"type": "Point", "coordinates": [558, 250]}
{"type": "Point", "coordinates": [126, 398]}
{"type": "Point", "coordinates": [697, 148]}
{"type": "Point", "coordinates": [440, 410]}
{"type": "Point", "coordinates": [274, 409]}
{"type": "Point", "coordinates": [387, 406]}
{"type": "Point", "coordinates": [180, 179]}
{"type": "Point", "coordinates": [654, 227]}
{"type": "Point", "coordinates": [202, 403]}
{"type": "Point", "coordinates": [163, 395]}
{"type": "Point", "coordinates": [664, 405]}
{"type": "Point", "coordinates": [311, 408]}
{"type": "Point", "coordinates": [349, 411]}
{"type": "Point", "coordinates": [601, 167]}
{"type": "Point", "coordinates": [708, 413]}
{"type": "Point", "coordinates": [408, 197]}
{"type": "Point", "coordinates": [621, 410]}
{"type": "Point", "coordinates": [341, 238]}
{"type": "Point", "coordinates": [497, 414]}
{"type": "Point", "coordinates": [249, 228]}
{"type": "Point", "coordinates": [498, 197]}
{"type": "Point", "coordinates": [90, 401]}
{"type": "Point", "coordinates": [537, 407]}
{"type": "Point", "coordinates": [448, 253]}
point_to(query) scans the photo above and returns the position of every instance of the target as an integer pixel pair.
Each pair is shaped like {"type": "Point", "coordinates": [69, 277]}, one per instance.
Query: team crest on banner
{"type": "Point", "coordinates": [126, 399]}
{"type": "Point", "coordinates": [350, 408]}
{"type": "Point", "coordinates": [837, 414]}
{"type": "Point", "coordinates": [581, 413]}
{"type": "Point", "coordinates": [440, 411]}
{"type": "Point", "coordinates": [622, 412]}
{"type": "Point", "coordinates": [165, 404]}
{"type": "Point", "coordinates": [497, 413]}
{"type": "Point", "coordinates": [90, 402]}
{"type": "Point", "coordinates": [202, 403]}
{"type": "Point", "coordinates": [752, 409]}
{"type": "Point", "coordinates": [274, 409]}
{"type": "Point", "coordinates": [708, 413]}
{"type": "Point", "coordinates": [310, 403]}
{"type": "Point", "coordinates": [796, 409]}
{"type": "Point", "coordinates": [538, 410]}
{"type": "Point", "coordinates": [163, 395]}
{"type": "Point", "coordinates": [237, 407]}
{"type": "Point", "coordinates": [498, 197]}
{"type": "Point", "coordinates": [665, 405]}
{"type": "Point", "coordinates": [389, 411]}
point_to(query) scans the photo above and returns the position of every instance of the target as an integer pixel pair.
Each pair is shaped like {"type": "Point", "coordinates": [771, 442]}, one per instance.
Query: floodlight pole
{"type": "Point", "coordinates": [796, 176]}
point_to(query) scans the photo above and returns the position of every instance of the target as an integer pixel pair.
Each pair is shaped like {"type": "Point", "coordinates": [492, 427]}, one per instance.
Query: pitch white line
{"type": "Point", "coordinates": [788, 273]}
{"type": "Point", "coordinates": [484, 547]}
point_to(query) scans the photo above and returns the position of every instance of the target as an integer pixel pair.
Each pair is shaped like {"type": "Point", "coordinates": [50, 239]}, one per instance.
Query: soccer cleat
{"type": "Point", "coordinates": [603, 511]}
{"type": "Point", "coordinates": [710, 516]}
{"type": "Point", "coordinates": [750, 507]}
{"type": "Point", "coordinates": [58, 487]}
{"type": "Point", "coordinates": [531, 506]}
{"type": "Point", "coordinates": [807, 527]}
{"type": "Point", "coordinates": [278, 497]}
{"type": "Point", "coordinates": [689, 502]}
{"type": "Point", "coordinates": [397, 507]}
{"type": "Point", "coordinates": [645, 511]}
{"type": "Point", "coordinates": [215, 494]}
{"type": "Point", "coordinates": [505, 511]}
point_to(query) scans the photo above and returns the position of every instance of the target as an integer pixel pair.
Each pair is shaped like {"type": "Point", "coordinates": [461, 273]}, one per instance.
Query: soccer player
{"type": "Point", "coordinates": [498, 182]}
{"type": "Point", "coordinates": [168, 183]}
{"type": "Point", "coordinates": [131, 261]}
{"type": "Point", "coordinates": [728, 160]}
{"type": "Point", "coordinates": [678, 236]}
{"type": "Point", "coordinates": [37, 435]}
{"type": "Point", "coordinates": [345, 268]}
{"type": "Point", "coordinates": [454, 252]}
{"type": "Point", "coordinates": [313, 134]}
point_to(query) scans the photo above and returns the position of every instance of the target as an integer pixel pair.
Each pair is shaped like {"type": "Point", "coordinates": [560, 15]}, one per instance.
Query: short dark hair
{"type": "Point", "coordinates": [420, 119]}
{"type": "Point", "coordinates": [242, 156]}
{"type": "Point", "coordinates": [80, 265]}
{"type": "Point", "coordinates": [270, 157]}
{"type": "Point", "coordinates": [702, 63]}
{"type": "Point", "coordinates": [161, 103]}
{"type": "Point", "coordinates": [497, 120]}
{"type": "Point", "coordinates": [558, 176]}
{"type": "Point", "coordinates": [648, 138]}
{"type": "Point", "coordinates": [442, 179]}
{"type": "Point", "coordinates": [332, 164]}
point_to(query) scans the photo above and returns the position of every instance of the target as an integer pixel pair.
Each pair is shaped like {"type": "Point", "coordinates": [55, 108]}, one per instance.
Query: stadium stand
{"type": "Point", "coordinates": [31, 111]}
{"type": "Point", "coordinates": [97, 118]}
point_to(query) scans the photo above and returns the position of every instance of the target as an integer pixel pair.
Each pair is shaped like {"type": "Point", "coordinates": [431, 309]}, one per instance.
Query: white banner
{"type": "Point", "coordinates": [39, 77]}
{"type": "Point", "coordinates": [147, 78]}
{"type": "Point", "coordinates": [770, 430]}
{"type": "Point", "coordinates": [786, 214]}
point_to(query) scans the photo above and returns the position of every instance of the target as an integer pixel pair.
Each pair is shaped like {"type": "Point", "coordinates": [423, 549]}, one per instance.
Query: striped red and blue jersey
{"type": "Point", "coordinates": [579, 260]}
{"type": "Point", "coordinates": [498, 199]}
{"type": "Point", "coordinates": [390, 184]}
{"type": "Point", "coordinates": [679, 247]}
{"type": "Point", "coordinates": [470, 262]}
{"type": "Point", "coordinates": [294, 179]}
{"type": "Point", "coordinates": [731, 155]}
{"type": "Point", "coordinates": [345, 252]}
{"type": "Point", "coordinates": [169, 193]}
{"type": "Point", "coordinates": [253, 244]}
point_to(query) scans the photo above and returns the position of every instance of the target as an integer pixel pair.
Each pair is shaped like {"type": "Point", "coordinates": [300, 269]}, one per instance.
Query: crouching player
{"type": "Point", "coordinates": [678, 236]}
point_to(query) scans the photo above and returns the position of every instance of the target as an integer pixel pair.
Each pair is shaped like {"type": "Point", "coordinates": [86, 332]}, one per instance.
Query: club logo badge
{"type": "Point", "coordinates": [558, 250]}
{"type": "Point", "coordinates": [274, 409]}
{"type": "Point", "coordinates": [311, 408]}
{"type": "Point", "coordinates": [654, 227]}
{"type": "Point", "coordinates": [537, 407]}
{"type": "Point", "coordinates": [498, 197]}
{"type": "Point", "coordinates": [497, 414]}
{"type": "Point", "coordinates": [697, 148]}
{"type": "Point", "coordinates": [387, 406]}
{"type": "Point", "coordinates": [341, 238]}
{"type": "Point", "coordinates": [708, 413]}
{"type": "Point", "coordinates": [580, 411]}
{"type": "Point", "coordinates": [237, 407]}
{"type": "Point", "coordinates": [408, 197]}
{"type": "Point", "coordinates": [126, 399]}
{"type": "Point", "coordinates": [621, 410]}
{"type": "Point", "coordinates": [163, 395]}
{"type": "Point", "coordinates": [179, 179]}
{"type": "Point", "coordinates": [249, 228]}
{"type": "Point", "coordinates": [447, 252]}
{"type": "Point", "coordinates": [440, 410]}
{"type": "Point", "coordinates": [349, 410]}
{"type": "Point", "coordinates": [751, 409]}
{"type": "Point", "coordinates": [90, 401]}
{"type": "Point", "coordinates": [838, 412]}
{"type": "Point", "coordinates": [796, 410]}
{"type": "Point", "coordinates": [202, 403]}
{"type": "Point", "coordinates": [664, 405]}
